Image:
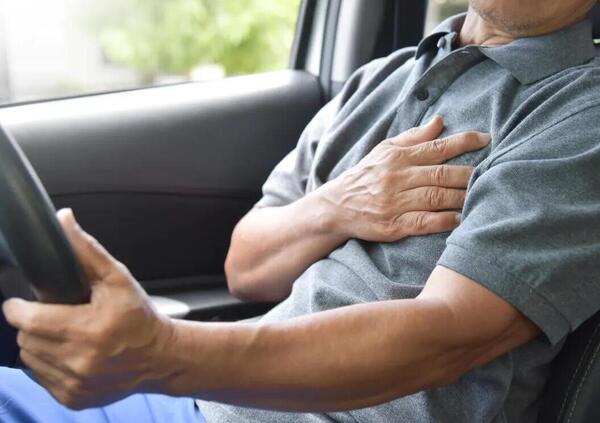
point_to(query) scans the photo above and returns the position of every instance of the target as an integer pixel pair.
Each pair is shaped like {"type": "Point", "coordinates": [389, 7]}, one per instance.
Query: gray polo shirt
{"type": "Point", "coordinates": [531, 223]}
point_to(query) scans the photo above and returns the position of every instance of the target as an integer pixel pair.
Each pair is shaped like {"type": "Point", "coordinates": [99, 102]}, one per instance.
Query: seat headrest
{"type": "Point", "coordinates": [595, 16]}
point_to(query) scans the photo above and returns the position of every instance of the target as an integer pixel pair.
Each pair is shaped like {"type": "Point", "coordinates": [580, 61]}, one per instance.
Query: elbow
{"type": "Point", "coordinates": [245, 288]}
{"type": "Point", "coordinates": [237, 281]}
{"type": "Point", "coordinates": [241, 288]}
{"type": "Point", "coordinates": [248, 285]}
{"type": "Point", "coordinates": [240, 281]}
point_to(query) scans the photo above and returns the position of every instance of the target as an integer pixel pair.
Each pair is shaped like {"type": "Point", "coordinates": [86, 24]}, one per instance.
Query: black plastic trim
{"type": "Point", "coordinates": [218, 305]}
{"type": "Point", "coordinates": [409, 22]}
{"type": "Point", "coordinates": [304, 26]}
{"type": "Point", "coordinates": [328, 52]}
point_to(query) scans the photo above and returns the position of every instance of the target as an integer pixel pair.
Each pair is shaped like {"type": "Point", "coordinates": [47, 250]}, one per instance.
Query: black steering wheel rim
{"type": "Point", "coordinates": [32, 241]}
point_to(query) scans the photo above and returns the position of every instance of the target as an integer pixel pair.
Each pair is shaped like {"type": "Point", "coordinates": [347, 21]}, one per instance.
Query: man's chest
{"type": "Point", "coordinates": [480, 99]}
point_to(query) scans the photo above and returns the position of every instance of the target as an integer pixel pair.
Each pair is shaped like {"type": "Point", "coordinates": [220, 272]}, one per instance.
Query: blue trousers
{"type": "Point", "coordinates": [22, 400]}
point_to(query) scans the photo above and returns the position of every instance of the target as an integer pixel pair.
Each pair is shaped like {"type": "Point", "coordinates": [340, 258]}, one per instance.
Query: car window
{"type": "Point", "coordinates": [57, 48]}
{"type": "Point", "coordinates": [441, 9]}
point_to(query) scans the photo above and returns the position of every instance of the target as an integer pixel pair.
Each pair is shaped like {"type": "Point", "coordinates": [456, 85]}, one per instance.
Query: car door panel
{"type": "Point", "coordinates": [160, 176]}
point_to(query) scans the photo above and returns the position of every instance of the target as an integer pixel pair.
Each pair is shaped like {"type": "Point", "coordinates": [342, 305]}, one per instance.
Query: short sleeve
{"type": "Point", "coordinates": [531, 226]}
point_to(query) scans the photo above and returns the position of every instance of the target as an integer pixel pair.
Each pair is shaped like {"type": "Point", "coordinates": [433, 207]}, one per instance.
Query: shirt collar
{"type": "Point", "coordinates": [448, 28]}
{"type": "Point", "coordinates": [528, 59]}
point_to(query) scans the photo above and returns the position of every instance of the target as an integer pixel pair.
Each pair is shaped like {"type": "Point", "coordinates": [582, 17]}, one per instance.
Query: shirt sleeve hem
{"type": "Point", "coordinates": [502, 282]}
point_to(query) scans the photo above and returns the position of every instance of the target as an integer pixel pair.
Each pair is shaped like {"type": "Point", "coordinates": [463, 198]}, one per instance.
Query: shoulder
{"type": "Point", "coordinates": [374, 73]}
{"type": "Point", "coordinates": [572, 90]}
{"type": "Point", "coordinates": [560, 116]}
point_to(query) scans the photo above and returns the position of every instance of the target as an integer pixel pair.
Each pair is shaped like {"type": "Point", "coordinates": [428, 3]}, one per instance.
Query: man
{"type": "Point", "coordinates": [378, 324]}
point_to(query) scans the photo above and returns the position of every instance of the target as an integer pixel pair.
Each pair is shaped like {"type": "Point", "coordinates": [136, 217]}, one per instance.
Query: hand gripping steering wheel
{"type": "Point", "coordinates": [36, 259]}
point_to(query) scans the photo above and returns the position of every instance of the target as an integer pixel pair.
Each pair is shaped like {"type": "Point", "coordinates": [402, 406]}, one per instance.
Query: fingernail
{"type": "Point", "coordinates": [485, 139]}
{"type": "Point", "coordinates": [458, 218]}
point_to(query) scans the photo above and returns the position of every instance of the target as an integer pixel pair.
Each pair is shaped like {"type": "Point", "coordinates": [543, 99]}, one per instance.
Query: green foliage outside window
{"type": "Point", "coordinates": [157, 37]}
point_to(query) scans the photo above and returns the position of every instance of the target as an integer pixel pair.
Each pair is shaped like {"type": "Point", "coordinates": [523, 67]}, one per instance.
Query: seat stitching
{"type": "Point", "coordinates": [587, 370]}
{"type": "Point", "coordinates": [587, 347]}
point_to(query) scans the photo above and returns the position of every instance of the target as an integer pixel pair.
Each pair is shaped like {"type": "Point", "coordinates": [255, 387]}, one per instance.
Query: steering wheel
{"type": "Point", "coordinates": [36, 259]}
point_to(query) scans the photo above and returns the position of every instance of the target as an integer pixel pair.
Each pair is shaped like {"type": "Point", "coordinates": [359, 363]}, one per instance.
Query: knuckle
{"type": "Point", "coordinates": [388, 230]}
{"type": "Point", "coordinates": [83, 368]}
{"type": "Point", "coordinates": [435, 198]}
{"type": "Point", "coordinates": [79, 369]}
{"type": "Point", "coordinates": [73, 388]}
{"type": "Point", "coordinates": [91, 243]}
{"type": "Point", "coordinates": [99, 336]}
{"type": "Point", "coordinates": [121, 268]}
{"type": "Point", "coordinates": [387, 184]}
{"type": "Point", "coordinates": [420, 222]}
{"type": "Point", "coordinates": [440, 145]}
{"type": "Point", "coordinates": [440, 175]}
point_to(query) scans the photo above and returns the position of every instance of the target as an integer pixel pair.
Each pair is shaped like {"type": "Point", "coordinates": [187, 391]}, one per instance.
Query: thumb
{"type": "Point", "coordinates": [421, 134]}
{"type": "Point", "coordinates": [95, 261]}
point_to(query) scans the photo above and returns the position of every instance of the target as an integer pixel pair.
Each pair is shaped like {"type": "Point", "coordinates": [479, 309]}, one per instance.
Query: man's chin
{"type": "Point", "coordinates": [504, 17]}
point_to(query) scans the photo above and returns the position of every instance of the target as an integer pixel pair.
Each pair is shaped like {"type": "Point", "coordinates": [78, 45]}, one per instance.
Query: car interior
{"type": "Point", "coordinates": [161, 175]}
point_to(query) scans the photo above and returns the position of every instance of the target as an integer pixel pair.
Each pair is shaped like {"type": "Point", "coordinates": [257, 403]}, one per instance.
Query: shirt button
{"type": "Point", "coordinates": [422, 94]}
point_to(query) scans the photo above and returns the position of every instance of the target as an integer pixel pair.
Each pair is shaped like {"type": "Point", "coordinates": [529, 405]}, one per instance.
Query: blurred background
{"type": "Point", "coordinates": [58, 48]}
{"type": "Point", "coordinates": [439, 10]}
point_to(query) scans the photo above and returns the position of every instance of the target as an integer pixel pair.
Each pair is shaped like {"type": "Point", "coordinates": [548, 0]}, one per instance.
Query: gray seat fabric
{"type": "Point", "coordinates": [573, 392]}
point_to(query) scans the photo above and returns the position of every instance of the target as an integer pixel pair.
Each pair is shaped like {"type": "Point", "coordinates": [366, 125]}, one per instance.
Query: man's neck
{"type": "Point", "coordinates": [484, 31]}
{"type": "Point", "coordinates": [478, 31]}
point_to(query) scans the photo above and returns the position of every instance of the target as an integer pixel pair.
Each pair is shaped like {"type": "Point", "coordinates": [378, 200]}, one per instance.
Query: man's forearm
{"type": "Point", "coordinates": [271, 247]}
{"type": "Point", "coordinates": [338, 360]}
{"type": "Point", "coordinates": [343, 359]}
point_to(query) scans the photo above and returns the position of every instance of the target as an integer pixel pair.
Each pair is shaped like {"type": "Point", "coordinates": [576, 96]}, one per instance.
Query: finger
{"type": "Point", "coordinates": [41, 347]}
{"type": "Point", "coordinates": [49, 351]}
{"type": "Point", "coordinates": [427, 223]}
{"type": "Point", "coordinates": [420, 134]}
{"type": "Point", "coordinates": [96, 262]}
{"type": "Point", "coordinates": [434, 199]}
{"type": "Point", "coordinates": [441, 176]}
{"type": "Point", "coordinates": [46, 320]}
{"type": "Point", "coordinates": [46, 374]}
{"type": "Point", "coordinates": [442, 150]}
